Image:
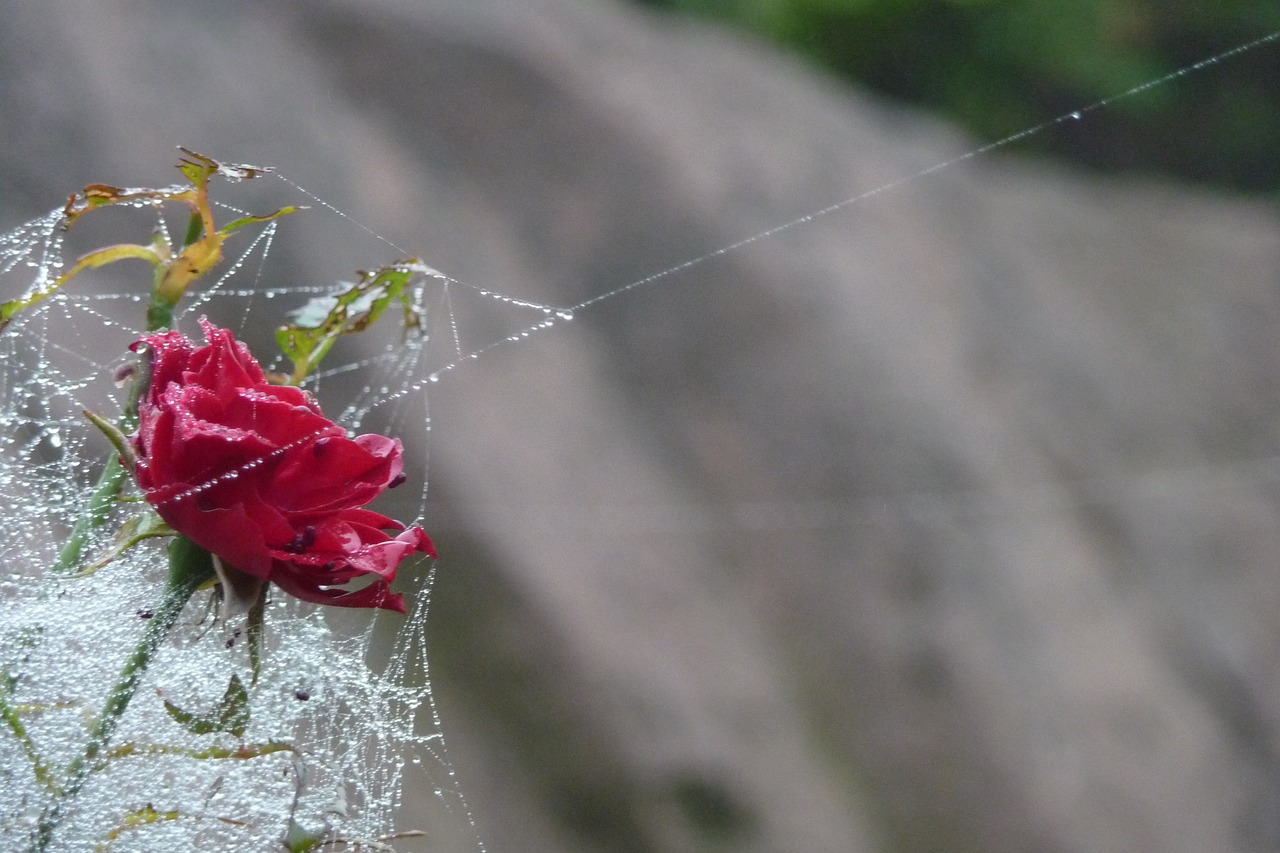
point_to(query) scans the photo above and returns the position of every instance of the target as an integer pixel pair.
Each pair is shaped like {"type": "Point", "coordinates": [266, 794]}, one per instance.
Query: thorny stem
{"type": "Point", "coordinates": [190, 566]}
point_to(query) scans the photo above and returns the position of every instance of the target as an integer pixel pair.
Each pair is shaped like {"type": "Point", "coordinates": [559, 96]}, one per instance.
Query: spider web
{"type": "Point", "coordinates": [330, 736]}
{"type": "Point", "coordinates": [333, 731]}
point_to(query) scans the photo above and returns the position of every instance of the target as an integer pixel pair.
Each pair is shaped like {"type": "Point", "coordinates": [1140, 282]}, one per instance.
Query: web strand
{"type": "Point", "coordinates": [45, 440]}
{"type": "Point", "coordinates": [568, 313]}
{"type": "Point", "coordinates": [974, 153]}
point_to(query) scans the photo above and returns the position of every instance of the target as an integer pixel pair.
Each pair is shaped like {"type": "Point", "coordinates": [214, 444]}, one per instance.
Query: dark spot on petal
{"type": "Point", "coordinates": [302, 541]}
{"type": "Point", "coordinates": [397, 480]}
{"type": "Point", "coordinates": [302, 695]}
{"type": "Point", "coordinates": [145, 614]}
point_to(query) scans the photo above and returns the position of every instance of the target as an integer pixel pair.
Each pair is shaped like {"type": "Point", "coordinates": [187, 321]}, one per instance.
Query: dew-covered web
{"type": "Point", "coordinates": [331, 732]}
{"type": "Point", "coordinates": [335, 726]}
{"type": "Point", "coordinates": [330, 736]}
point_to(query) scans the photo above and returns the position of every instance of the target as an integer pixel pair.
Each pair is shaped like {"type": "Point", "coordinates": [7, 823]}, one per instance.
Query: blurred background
{"type": "Point", "coordinates": [999, 67]}
{"type": "Point", "coordinates": [944, 521]}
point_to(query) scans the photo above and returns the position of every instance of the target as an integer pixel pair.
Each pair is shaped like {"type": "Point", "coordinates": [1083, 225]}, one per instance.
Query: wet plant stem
{"type": "Point", "coordinates": [190, 567]}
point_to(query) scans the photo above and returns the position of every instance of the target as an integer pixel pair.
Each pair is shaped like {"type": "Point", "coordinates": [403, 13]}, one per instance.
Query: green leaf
{"type": "Point", "coordinates": [195, 228]}
{"type": "Point", "coordinates": [94, 196]}
{"type": "Point", "coordinates": [201, 250]}
{"type": "Point", "coordinates": [253, 220]}
{"type": "Point", "coordinates": [231, 714]}
{"type": "Point", "coordinates": [98, 258]}
{"type": "Point", "coordinates": [9, 713]}
{"type": "Point", "coordinates": [139, 817]}
{"type": "Point", "coordinates": [300, 840]}
{"type": "Point", "coordinates": [317, 325]}
{"type": "Point", "coordinates": [145, 525]}
{"type": "Point", "coordinates": [198, 168]}
{"type": "Point", "coordinates": [118, 439]}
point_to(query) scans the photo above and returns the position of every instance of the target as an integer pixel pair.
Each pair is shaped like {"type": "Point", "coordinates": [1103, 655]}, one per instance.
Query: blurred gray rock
{"type": "Point", "coordinates": [945, 521]}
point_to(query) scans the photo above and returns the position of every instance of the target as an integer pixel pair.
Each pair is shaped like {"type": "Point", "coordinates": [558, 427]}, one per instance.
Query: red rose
{"type": "Point", "coordinates": [256, 475]}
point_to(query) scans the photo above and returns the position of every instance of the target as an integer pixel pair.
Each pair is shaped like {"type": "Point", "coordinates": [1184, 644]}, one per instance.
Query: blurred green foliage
{"type": "Point", "coordinates": [1002, 66]}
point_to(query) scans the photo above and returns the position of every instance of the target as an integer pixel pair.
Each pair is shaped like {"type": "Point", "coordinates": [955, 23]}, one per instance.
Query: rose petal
{"type": "Point", "coordinates": [254, 473]}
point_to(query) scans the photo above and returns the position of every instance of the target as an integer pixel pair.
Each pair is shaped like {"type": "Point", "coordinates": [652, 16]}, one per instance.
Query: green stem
{"type": "Point", "coordinates": [243, 752]}
{"type": "Point", "coordinates": [190, 567]}
{"type": "Point", "coordinates": [159, 312]}
{"type": "Point", "coordinates": [14, 721]}
{"type": "Point", "coordinates": [110, 483]}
